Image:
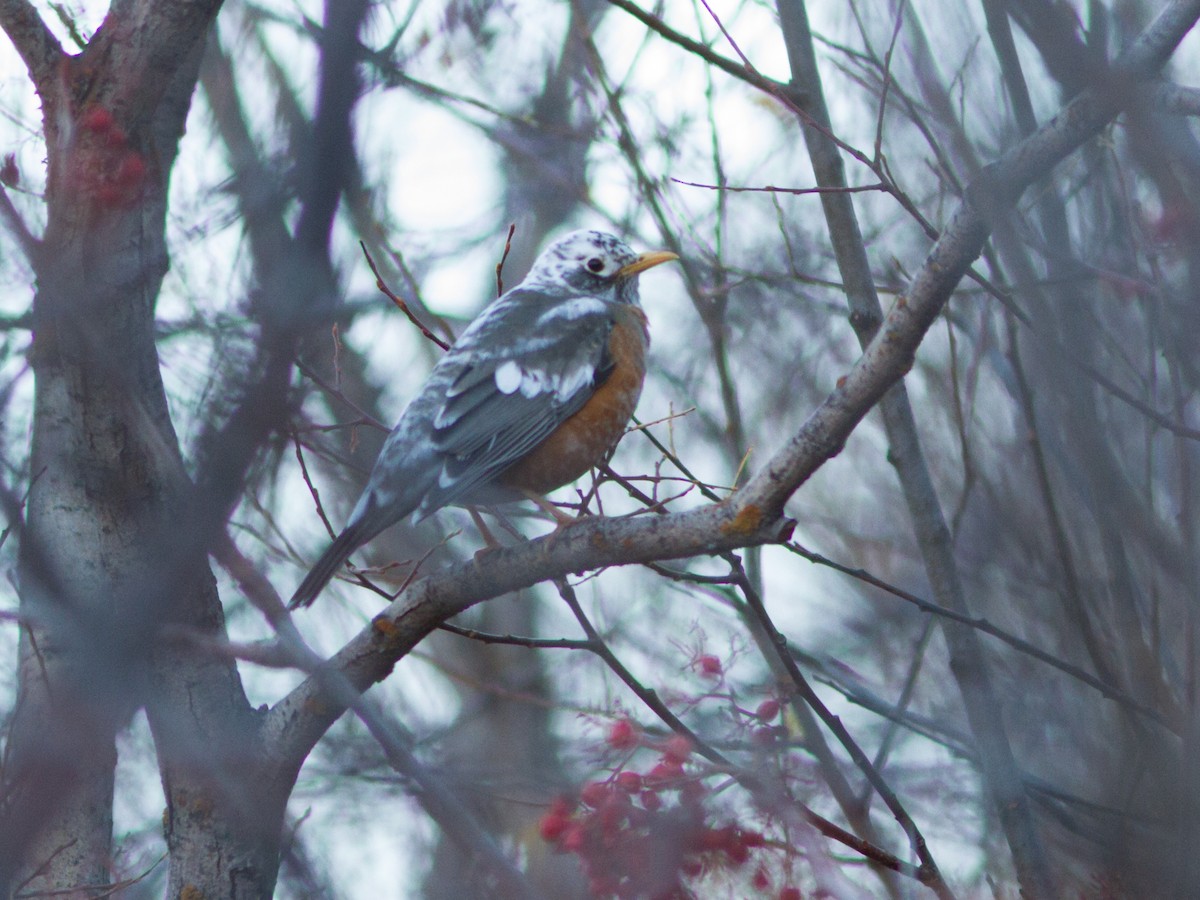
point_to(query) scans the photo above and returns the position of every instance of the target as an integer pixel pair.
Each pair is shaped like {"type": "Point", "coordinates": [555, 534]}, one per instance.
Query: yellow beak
{"type": "Point", "coordinates": [647, 260]}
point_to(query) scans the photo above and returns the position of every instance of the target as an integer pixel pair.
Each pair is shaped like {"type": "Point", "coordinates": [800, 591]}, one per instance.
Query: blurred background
{"type": "Point", "coordinates": [1055, 401]}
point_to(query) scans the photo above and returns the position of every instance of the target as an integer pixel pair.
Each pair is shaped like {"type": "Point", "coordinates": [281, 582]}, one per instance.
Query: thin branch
{"type": "Point", "coordinates": [512, 229]}
{"type": "Point", "coordinates": [1106, 687]}
{"type": "Point", "coordinates": [930, 874]}
{"type": "Point", "coordinates": [12, 219]}
{"type": "Point", "coordinates": [312, 488]}
{"type": "Point", "coordinates": [517, 640]}
{"type": "Point", "coordinates": [748, 780]}
{"type": "Point", "coordinates": [647, 695]}
{"type": "Point", "coordinates": [401, 305]}
{"type": "Point", "coordinates": [364, 418]}
{"type": "Point", "coordinates": [710, 56]}
{"type": "Point", "coordinates": [772, 189]}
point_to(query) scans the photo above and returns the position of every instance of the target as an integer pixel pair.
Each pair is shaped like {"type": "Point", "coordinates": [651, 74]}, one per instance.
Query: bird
{"type": "Point", "coordinates": [536, 391]}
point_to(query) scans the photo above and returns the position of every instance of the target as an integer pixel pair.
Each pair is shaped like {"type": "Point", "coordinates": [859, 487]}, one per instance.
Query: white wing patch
{"type": "Point", "coordinates": [512, 377]}
{"type": "Point", "coordinates": [534, 381]}
{"type": "Point", "coordinates": [574, 381]}
{"type": "Point", "coordinates": [509, 377]}
{"type": "Point", "coordinates": [573, 309]}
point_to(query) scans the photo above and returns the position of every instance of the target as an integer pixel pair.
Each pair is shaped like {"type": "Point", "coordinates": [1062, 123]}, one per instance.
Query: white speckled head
{"type": "Point", "coordinates": [589, 263]}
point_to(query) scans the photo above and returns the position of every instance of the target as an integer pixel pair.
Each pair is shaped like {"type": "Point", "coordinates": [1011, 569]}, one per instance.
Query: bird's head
{"type": "Point", "coordinates": [593, 263]}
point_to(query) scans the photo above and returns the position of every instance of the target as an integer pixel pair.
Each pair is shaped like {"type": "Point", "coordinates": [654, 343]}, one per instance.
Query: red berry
{"type": "Point", "coordinates": [709, 666]}
{"type": "Point", "coordinates": [764, 737]}
{"type": "Point", "coordinates": [556, 819]}
{"type": "Point", "coordinates": [790, 893]}
{"type": "Point", "coordinates": [737, 852]}
{"type": "Point", "coordinates": [622, 735]}
{"type": "Point", "coordinates": [677, 749]}
{"type": "Point", "coordinates": [651, 801]}
{"type": "Point", "coordinates": [767, 710]}
{"type": "Point", "coordinates": [629, 782]}
{"type": "Point", "coordinates": [665, 774]}
{"type": "Point", "coordinates": [594, 793]}
{"type": "Point", "coordinates": [114, 137]}
{"type": "Point", "coordinates": [761, 880]}
{"type": "Point", "coordinates": [612, 814]}
{"type": "Point", "coordinates": [574, 837]}
{"type": "Point", "coordinates": [552, 826]}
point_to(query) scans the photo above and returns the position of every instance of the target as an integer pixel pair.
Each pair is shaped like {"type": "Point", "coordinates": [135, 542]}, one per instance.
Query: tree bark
{"type": "Point", "coordinates": [101, 570]}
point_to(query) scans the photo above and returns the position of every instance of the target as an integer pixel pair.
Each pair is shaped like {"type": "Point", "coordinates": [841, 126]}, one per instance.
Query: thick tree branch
{"type": "Point", "coordinates": [297, 721]}
{"type": "Point", "coordinates": [1177, 99]}
{"type": "Point", "coordinates": [152, 37]}
{"type": "Point", "coordinates": [261, 200]}
{"type": "Point", "coordinates": [39, 48]}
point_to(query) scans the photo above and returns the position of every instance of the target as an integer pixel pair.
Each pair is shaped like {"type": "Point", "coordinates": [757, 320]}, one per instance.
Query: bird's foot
{"type": "Point", "coordinates": [563, 520]}
{"type": "Point", "coordinates": [490, 544]}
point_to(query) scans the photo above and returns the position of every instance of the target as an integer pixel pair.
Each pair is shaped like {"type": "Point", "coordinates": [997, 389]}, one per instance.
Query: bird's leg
{"type": "Point", "coordinates": [563, 519]}
{"type": "Point", "coordinates": [489, 539]}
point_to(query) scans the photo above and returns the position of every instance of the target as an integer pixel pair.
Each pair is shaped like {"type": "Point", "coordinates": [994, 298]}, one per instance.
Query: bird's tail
{"type": "Point", "coordinates": [352, 537]}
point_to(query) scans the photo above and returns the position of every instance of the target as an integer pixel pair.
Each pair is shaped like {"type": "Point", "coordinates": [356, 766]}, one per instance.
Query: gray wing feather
{"type": "Point", "coordinates": [480, 430]}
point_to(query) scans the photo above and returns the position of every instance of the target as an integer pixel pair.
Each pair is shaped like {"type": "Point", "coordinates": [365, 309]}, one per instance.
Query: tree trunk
{"type": "Point", "coordinates": [106, 560]}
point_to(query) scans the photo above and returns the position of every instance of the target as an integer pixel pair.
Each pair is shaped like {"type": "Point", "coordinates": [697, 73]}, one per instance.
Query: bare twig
{"type": "Point", "coordinates": [930, 874]}
{"type": "Point", "coordinates": [512, 229]}
{"type": "Point", "coordinates": [312, 488]}
{"type": "Point", "coordinates": [400, 304]}
{"type": "Point", "coordinates": [772, 189]}
{"type": "Point", "coordinates": [12, 219]}
{"type": "Point", "coordinates": [742, 72]}
{"type": "Point", "coordinates": [517, 640]}
{"type": "Point", "coordinates": [1106, 688]}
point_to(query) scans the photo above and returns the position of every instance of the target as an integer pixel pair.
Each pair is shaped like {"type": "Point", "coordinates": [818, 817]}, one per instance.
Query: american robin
{"type": "Point", "coordinates": [536, 391]}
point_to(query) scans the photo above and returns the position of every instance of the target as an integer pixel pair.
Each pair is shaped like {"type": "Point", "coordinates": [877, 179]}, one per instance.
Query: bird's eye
{"type": "Point", "coordinates": [595, 264]}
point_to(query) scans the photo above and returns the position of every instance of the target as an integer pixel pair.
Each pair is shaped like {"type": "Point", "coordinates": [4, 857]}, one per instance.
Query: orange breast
{"type": "Point", "coordinates": [584, 439]}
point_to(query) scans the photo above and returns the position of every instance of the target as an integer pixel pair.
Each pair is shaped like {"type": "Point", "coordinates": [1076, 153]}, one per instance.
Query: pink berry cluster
{"type": "Point", "coordinates": [648, 834]}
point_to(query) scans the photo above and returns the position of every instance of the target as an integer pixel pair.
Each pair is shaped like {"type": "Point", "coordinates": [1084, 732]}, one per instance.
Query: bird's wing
{"type": "Point", "coordinates": [523, 372]}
